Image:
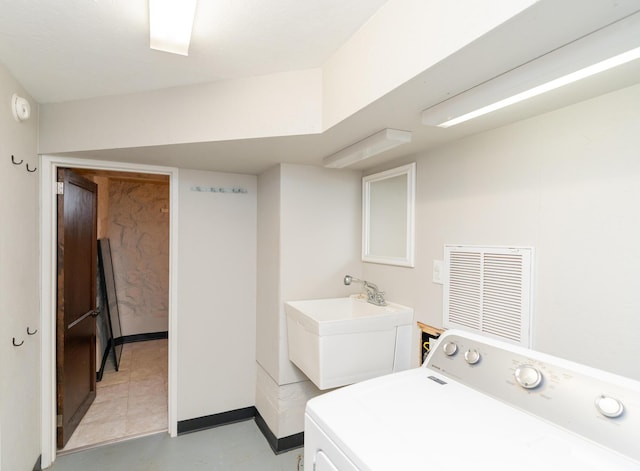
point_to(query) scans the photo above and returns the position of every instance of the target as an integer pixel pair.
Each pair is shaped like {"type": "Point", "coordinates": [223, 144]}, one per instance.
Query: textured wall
{"type": "Point", "coordinates": [139, 233]}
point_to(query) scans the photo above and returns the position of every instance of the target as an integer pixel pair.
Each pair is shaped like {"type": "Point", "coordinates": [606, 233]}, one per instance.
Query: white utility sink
{"type": "Point", "coordinates": [340, 341]}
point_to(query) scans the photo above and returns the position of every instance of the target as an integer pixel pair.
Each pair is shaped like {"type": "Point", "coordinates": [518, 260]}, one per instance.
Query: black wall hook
{"type": "Point", "coordinates": [17, 344]}
{"type": "Point", "coordinates": [31, 333]}
{"type": "Point", "coordinates": [13, 160]}
{"type": "Point", "coordinates": [31, 171]}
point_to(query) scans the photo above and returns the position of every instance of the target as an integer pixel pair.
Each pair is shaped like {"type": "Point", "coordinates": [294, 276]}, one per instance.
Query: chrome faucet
{"type": "Point", "coordinates": [374, 295]}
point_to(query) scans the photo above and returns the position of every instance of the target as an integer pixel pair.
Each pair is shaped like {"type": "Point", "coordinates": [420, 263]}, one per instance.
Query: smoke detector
{"type": "Point", "coordinates": [20, 107]}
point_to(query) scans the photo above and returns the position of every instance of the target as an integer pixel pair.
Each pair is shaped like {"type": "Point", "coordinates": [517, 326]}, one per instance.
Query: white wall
{"type": "Point", "coordinates": [216, 295]}
{"type": "Point", "coordinates": [268, 270]}
{"type": "Point", "coordinates": [20, 297]}
{"type": "Point", "coordinates": [567, 183]}
{"type": "Point", "coordinates": [403, 39]}
{"type": "Point", "coordinates": [283, 104]}
{"type": "Point", "coordinates": [320, 221]}
{"type": "Point", "coordinates": [308, 239]}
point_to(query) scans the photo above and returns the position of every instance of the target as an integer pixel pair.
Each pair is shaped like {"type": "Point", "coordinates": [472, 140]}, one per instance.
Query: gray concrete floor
{"type": "Point", "coordinates": [234, 447]}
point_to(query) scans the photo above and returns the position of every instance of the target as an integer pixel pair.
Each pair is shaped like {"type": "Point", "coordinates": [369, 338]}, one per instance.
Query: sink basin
{"type": "Point", "coordinates": [344, 315]}
{"type": "Point", "coordinates": [340, 341]}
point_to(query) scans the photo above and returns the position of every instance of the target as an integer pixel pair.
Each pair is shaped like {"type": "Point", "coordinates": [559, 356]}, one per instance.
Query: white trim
{"type": "Point", "coordinates": [48, 167]}
{"type": "Point", "coordinates": [408, 260]}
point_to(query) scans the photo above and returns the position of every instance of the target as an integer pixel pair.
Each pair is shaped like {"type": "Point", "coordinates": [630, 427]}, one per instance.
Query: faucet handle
{"type": "Point", "coordinates": [376, 297]}
{"type": "Point", "coordinates": [380, 301]}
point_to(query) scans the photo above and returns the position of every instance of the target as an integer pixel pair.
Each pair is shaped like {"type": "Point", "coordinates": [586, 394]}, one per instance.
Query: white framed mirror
{"type": "Point", "coordinates": [388, 216]}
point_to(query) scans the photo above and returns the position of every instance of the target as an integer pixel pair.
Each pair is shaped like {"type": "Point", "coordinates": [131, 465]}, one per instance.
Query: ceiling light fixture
{"type": "Point", "coordinates": [170, 25]}
{"type": "Point", "coordinates": [375, 144]}
{"type": "Point", "coordinates": [596, 53]}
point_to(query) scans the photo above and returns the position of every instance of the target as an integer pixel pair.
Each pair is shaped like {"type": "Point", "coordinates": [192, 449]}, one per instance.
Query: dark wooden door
{"type": "Point", "coordinates": [76, 301]}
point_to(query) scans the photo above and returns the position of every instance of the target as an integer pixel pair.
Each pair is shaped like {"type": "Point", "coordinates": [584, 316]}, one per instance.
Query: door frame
{"type": "Point", "coordinates": [48, 223]}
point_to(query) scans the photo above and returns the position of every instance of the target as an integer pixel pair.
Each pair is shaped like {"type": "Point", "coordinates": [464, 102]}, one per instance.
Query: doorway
{"type": "Point", "coordinates": [49, 166]}
{"type": "Point", "coordinates": [132, 324]}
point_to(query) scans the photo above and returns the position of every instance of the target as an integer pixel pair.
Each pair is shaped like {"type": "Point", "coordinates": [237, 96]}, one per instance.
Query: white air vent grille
{"type": "Point", "coordinates": [464, 289]}
{"type": "Point", "coordinates": [488, 290]}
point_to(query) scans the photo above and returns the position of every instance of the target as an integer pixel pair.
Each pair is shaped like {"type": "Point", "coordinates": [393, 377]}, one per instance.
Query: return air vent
{"type": "Point", "coordinates": [488, 290]}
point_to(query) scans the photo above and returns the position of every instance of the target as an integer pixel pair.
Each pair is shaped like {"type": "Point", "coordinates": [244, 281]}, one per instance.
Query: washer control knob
{"type": "Point", "coordinates": [527, 376]}
{"type": "Point", "coordinates": [472, 356]}
{"type": "Point", "coordinates": [450, 348]}
{"type": "Point", "coordinates": [609, 406]}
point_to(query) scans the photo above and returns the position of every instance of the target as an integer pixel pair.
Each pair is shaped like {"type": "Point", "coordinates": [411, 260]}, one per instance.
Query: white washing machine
{"type": "Point", "coordinates": [478, 404]}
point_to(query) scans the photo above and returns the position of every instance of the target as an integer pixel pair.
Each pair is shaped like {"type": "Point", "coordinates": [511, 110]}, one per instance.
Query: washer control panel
{"type": "Point", "coordinates": [595, 404]}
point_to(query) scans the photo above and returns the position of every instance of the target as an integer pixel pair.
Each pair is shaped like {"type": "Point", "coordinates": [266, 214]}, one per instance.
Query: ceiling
{"type": "Point", "coordinates": [64, 50]}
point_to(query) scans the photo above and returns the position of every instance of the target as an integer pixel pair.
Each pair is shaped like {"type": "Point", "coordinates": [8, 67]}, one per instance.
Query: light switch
{"type": "Point", "coordinates": [438, 271]}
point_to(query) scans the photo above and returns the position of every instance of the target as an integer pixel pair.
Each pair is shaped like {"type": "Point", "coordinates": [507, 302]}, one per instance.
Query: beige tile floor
{"type": "Point", "coordinates": [130, 402]}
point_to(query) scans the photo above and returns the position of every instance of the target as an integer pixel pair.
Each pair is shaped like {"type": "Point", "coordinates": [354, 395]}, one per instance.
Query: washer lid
{"type": "Point", "coordinates": [418, 419]}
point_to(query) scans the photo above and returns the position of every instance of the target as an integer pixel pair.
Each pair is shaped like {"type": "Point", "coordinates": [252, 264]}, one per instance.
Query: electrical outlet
{"type": "Point", "coordinates": [438, 271]}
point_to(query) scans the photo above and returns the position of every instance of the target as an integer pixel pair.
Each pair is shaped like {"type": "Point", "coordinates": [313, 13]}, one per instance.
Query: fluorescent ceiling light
{"type": "Point", "coordinates": [602, 50]}
{"type": "Point", "coordinates": [545, 87]}
{"type": "Point", "coordinates": [170, 25]}
{"type": "Point", "coordinates": [368, 147]}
